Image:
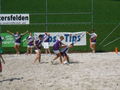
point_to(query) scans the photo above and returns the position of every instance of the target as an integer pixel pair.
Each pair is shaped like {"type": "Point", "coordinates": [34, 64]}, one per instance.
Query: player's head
{"type": "Point", "coordinates": [40, 37]}
{"type": "Point", "coordinates": [92, 31]}
{"type": "Point", "coordinates": [71, 45]}
{"type": "Point", "coordinates": [17, 32]}
{"type": "Point", "coordinates": [30, 34]}
{"type": "Point", "coordinates": [61, 38]}
{"type": "Point", "coordinates": [46, 33]}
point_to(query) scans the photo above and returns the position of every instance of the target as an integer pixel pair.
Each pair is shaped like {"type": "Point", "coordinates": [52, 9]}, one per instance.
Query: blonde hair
{"type": "Point", "coordinates": [61, 37]}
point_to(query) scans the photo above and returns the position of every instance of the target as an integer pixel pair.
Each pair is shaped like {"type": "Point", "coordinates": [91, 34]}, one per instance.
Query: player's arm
{"type": "Point", "coordinates": [63, 46]}
{"type": "Point", "coordinates": [10, 32]}
{"type": "Point", "coordinates": [88, 33]}
{"type": "Point", "coordinates": [35, 45]}
{"type": "Point", "coordinates": [25, 32]}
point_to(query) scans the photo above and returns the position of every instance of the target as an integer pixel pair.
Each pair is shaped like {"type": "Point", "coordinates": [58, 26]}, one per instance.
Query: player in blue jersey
{"type": "Point", "coordinates": [30, 43]}
{"type": "Point", "coordinates": [37, 47]}
{"type": "Point", "coordinates": [17, 37]}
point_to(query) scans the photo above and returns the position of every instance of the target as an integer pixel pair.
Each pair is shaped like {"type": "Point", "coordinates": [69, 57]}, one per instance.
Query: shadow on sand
{"type": "Point", "coordinates": [11, 79]}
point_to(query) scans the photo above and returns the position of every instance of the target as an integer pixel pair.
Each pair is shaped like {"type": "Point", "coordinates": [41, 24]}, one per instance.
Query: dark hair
{"type": "Point", "coordinates": [72, 44]}
{"type": "Point", "coordinates": [40, 36]}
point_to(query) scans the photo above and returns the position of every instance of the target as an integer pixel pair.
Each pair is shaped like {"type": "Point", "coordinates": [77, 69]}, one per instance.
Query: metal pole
{"type": "Point", "coordinates": [92, 15]}
{"type": "Point", "coordinates": [46, 14]}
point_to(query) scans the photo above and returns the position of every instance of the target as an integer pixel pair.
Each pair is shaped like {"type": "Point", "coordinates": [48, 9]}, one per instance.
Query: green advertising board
{"type": "Point", "coordinates": [8, 40]}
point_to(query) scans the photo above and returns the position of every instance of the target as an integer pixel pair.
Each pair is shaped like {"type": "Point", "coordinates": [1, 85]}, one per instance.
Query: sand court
{"type": "Point", "coordinates": [87, 71]}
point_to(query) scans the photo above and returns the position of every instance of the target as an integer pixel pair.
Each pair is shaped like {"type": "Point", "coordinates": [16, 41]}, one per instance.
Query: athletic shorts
{"type": "Point", "coordinates": [63, 54]}
{"type": "Point", "coordinates": [46, 45]}
{"type": "Point", "coordinates": [16, 43]}
{"type": "Point", "coordinates": [37, 50]}
{"type": "Point", "coordinates": [56, 51]}
{"type": "Point", "coordinates": [93, 42]}
{"type": "Point", "coordinates": [30, 46]}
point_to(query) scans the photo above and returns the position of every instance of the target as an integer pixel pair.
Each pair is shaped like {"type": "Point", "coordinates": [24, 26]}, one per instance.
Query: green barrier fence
{"type": "Point", "coordinates": [8, 40]}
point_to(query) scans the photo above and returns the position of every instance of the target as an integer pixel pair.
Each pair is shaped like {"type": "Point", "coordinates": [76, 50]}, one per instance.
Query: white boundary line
{"type": "Point", "coordinates": [111, 42]}
{"type": "Point", "coordinates": [62, 13]}
{"type": "Point", "coordinates": [55, 13]}
{"type": "Point", "coordinates": [46, 17]}
{"type": "Point", "coordinates": [109, 34]}
{"type": "Point", "coordinates": [67, 23]}
{"type": "Point", "coordinates": [92, 15]}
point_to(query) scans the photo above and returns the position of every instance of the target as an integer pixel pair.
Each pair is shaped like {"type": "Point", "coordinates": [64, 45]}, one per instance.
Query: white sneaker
{"type": "Point", "coordinates": [65, 62]}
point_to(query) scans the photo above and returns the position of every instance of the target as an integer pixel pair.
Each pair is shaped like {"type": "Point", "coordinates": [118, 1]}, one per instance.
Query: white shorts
{"type": "Point", "coordinates": [30, 46]}
{"type": "Point", "coordinates": [46, 45]}
{"type": "Point", "coordinates": [17, 43]}
{"type": "Point", "coordinates": [56, 51]}
{"type": "Point", "coordinates": [37, 50]}
{"type": "Point", "coordinates": [93, 42]}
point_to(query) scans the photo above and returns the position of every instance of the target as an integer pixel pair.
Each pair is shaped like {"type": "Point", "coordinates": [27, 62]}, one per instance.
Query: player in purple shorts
{"type": "Point", "coordinates": [37, 46]}
{"type": "Point", "coordinates": [30, 45]}
{"type": "Point", "coordinates": [56, 48]}
{"type": "Point", "coordinates": [17, 36]}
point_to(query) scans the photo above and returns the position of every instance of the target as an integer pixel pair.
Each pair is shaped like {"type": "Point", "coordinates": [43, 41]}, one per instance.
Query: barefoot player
{"type": "Point", "coordinates": [30, 45]}
{"type": "Point", "coordinates": [56, 48]}
{"type": "Point", "coordinates": [93, 37]}
{"type": "Point", "coordinates": [37, 46]}
{"type": "Point", "coordinates": [17, 36]}
{"type": "Point", "coordinates": [64, 54]}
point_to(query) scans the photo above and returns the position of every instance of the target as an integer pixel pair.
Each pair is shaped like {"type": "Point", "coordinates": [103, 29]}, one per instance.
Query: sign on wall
{"type": "Point", "coordinates": [14, 19]}
{"type": "Point", "coordinates": [79, 38]}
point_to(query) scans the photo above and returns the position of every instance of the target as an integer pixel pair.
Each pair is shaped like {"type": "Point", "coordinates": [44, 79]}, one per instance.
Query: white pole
{"type": "Point", "coordinates": [112, 41]}
{"type": "Point", "coordinates": [46, 23]}
{"type": "Point", "coordinates": [92, 15]}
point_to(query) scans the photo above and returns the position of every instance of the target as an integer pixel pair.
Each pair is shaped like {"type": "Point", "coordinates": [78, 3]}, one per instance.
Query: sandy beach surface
{"type": "Point", "coordinates": [87, 71]}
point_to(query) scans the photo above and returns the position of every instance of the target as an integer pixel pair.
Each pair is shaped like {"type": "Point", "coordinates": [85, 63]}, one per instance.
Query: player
{"type": "Point", "coordinates": [64, 52]}
{"type": "Point", "coordinates": [1, 58]}
{"type": "Point", "coordinates": [46, 43]}
{"type": "Point", "coordinates": [56, 49]}
{"type": "Point", "coordinates": [37, 46]}
{"type": "Point", "coordinates": [30, 45]}
{"type": "Point", "coordinates": [17, 36]}
{"type": "Point", "coordinates": [93, 37]}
